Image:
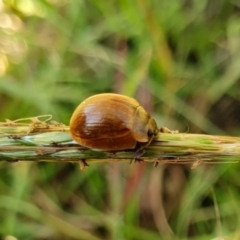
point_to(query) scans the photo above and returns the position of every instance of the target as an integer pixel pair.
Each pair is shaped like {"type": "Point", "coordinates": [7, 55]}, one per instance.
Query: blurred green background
{"type": "Point", "coordinates": [179, 58]}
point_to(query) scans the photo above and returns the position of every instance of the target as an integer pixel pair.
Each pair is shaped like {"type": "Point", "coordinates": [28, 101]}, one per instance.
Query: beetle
{"type": "Point", "coordinates": [112, 122]}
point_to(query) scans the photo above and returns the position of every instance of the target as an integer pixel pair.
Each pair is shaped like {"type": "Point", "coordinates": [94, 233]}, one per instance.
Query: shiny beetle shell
{"type": "Point", "coordinates": [112, 122]}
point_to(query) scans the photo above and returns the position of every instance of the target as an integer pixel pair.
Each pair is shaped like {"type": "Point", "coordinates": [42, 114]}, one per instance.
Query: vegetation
{"type": "Point", "coordinates": [180, 59]}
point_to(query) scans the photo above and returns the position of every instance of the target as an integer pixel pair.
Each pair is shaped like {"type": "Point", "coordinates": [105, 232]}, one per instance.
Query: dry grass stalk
{"type": "Point", "coordinates": [42, 139]}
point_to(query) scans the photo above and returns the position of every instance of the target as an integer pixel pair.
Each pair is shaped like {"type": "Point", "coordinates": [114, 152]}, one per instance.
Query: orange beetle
{"type": "Point", "coordinates": [111, 122]}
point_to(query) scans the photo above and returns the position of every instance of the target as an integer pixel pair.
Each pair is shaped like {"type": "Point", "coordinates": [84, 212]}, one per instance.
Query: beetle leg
{"type": "Point", "coordinates": [139, 153]}
{"type": "Point", "coordinates": [137, 156]}
{"type": "Point", "coordinates": [136, 160]}
{"type": "Point", "coordinates": [155, 164]}
{"type": "Point", "coordinates": [83, 164]}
